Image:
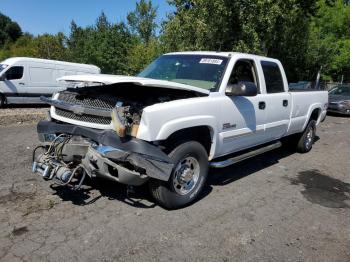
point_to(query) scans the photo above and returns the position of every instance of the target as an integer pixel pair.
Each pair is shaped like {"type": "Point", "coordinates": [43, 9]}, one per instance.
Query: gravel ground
{"type": "Point", "coordinates": [21, 115]}
{"type": "Point", "coordinates": [280, 206]}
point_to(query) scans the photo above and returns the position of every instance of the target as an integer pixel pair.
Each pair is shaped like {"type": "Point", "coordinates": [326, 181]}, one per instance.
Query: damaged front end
{"type": "Point", "coordinates": [71, 152]}
{"type": "Point", "coordinates": [93, 132]}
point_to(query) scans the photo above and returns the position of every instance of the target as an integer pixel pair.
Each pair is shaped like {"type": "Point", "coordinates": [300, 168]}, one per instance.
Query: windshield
{"type": "Point", "coordinates": [341, 90]}
{"type": "Point", "coordinates": [2, 67]}
{"type": "Point", "coordinates": [201, 71]}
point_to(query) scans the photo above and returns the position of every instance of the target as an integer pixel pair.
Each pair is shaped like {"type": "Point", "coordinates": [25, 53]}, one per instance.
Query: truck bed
{"type": "Point", "coordinates": [303, 104]}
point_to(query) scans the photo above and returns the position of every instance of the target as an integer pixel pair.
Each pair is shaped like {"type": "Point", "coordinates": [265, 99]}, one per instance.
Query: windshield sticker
{"type": "Point", "coordinates": [210, 61]}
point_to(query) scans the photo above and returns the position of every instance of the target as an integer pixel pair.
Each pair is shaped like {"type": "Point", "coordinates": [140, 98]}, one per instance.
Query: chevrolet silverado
{"type": "Point", "coordinates": [184, 113]}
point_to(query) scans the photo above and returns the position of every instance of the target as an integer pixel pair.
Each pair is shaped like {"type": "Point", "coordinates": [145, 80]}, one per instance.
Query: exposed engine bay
{"type": "Point", "coordinates": [123, 103]}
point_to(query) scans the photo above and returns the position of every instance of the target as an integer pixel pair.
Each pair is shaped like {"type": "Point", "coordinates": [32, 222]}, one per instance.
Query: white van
{"type": "Point", "coordinates": [23, 80]}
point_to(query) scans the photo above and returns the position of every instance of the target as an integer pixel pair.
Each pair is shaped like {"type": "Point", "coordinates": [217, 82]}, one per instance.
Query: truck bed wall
{"type": "Point", "coordinates": [303, 104]}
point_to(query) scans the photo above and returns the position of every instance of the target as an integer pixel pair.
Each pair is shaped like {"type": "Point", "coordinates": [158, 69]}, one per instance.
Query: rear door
{"type": "Point", "coordinates": [42, 79]}
{"type": "Point", "coordinates": [276, 101]}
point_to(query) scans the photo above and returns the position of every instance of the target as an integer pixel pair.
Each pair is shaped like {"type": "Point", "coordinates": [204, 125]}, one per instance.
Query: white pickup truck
{"type": "Point", "coordinates": [184, 113]}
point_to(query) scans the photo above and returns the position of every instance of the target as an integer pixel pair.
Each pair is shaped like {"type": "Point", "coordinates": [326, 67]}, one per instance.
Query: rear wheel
{"type": "Point", "coordinates": [307, 138]}
{"type": "Point", "coordinates": [187, 178]}
{"type": "Point", "coordinates": [2, 101]}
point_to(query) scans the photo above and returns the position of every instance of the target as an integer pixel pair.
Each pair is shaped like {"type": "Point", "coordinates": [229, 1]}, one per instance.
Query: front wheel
{"type": "Point", "coordinates": [187, 178]}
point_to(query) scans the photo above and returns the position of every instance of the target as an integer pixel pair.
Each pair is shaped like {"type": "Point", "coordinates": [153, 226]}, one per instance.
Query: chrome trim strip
{"type": "Point", "coordinates": [225, 139]}
{"type": "Point", "coordinates": [234, 160]}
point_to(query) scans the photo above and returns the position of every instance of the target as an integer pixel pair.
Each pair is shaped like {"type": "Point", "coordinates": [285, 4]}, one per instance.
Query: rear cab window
{"type": "Point", "coordinates": [41, 75]}
{"type": "Point", "coordinates": [273, 77]}
{"type": "Point", "coordinates": [14, 73]}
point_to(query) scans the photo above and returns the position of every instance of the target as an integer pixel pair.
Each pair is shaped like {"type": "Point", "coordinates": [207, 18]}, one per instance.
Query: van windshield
{"type": "Point", "coordinates": [2, 67]}
{"type": "Point", "coordinates": [203, 71]}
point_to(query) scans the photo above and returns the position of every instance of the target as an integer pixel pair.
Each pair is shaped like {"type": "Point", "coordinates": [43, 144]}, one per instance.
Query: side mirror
{"type": "Point", "coordinates": [3, 77]}
{"type": "Point", "coordinates": [242, 89]}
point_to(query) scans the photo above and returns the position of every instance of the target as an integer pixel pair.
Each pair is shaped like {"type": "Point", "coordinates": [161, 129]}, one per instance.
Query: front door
{"type": "Point", "coordinates": [13, 85]}
{"type": "Point", "coordinates": [243, 122]}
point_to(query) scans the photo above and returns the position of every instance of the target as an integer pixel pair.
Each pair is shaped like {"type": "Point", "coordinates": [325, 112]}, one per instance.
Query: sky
{"type": "Point", "coordinates": [53, 16]}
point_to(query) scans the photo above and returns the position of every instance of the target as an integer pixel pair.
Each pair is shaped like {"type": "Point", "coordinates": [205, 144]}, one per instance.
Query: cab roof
{"type": "Point", "coordinates": [223, 54]}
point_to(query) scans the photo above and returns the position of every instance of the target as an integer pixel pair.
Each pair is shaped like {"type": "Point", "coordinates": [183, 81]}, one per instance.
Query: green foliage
{"type": "Point", "coordinates": [22, 47]}
{"type": "Point", "coordinates": [142, 25]}
{"type": "Point", "coordinates": [273, 28]}
{"type": "Point", "coordinates": [306, 35]}
{"type": "Point", "coordinates": [44, 46]}
{"type": "Point", "coordinates": [329, 41]}
{"type": "Point", "coordinates": [142, 21]}
{"type": "Point", "coordinates": [141, 55]}
{"type": "Point", "coordinates": [9, 30]}
{"type": "Point", "coordinates": [104, 44]}
{"type": "Point", "coordinates": [50, 46]}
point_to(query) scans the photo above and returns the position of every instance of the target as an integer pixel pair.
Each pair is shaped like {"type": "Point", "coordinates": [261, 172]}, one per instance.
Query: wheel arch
{"type": "Point", "coordinates": [204, 134]}
{"type": "Point", "coordinates": [314, 113]}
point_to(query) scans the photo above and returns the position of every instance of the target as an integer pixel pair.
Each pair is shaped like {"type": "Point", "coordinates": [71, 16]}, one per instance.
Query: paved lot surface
{"type": "Point", "coordinates": [281, 206]}
{"type": "Point", "coordinates": [22, 114]}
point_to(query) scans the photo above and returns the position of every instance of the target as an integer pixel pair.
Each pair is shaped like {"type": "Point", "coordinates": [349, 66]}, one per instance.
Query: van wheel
{"type": "Point", "coordinates": [2, 101]}
{"type": "Point", "coordinates": [307, 138]}
{"type": "Point", "coordinates": [187, 178]}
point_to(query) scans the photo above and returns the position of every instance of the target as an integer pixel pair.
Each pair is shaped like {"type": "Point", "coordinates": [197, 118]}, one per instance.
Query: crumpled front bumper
{"type": "Point", "coordinates": [130, 161]}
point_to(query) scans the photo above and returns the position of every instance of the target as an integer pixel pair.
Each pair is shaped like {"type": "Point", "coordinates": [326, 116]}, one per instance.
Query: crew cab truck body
{"type": "Point", "coordinates": [185, 112]}
{"type": "Point", "coordinates": [23, 80]}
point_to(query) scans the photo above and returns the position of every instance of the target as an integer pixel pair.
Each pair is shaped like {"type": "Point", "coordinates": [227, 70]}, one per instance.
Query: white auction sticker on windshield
{"type": "Point", "coordinates": [210, 61]}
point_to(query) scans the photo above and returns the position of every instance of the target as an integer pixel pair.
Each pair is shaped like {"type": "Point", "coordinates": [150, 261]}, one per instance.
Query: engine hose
{"type": "Point", "coordinates": [34, 151]}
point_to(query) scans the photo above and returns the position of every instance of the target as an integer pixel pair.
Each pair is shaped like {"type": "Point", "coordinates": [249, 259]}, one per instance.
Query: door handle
{"type": "Point", "coordinates": [285, 103]}
{"type": "Point", "coordinates": [262, 105]}
{"type": "Point", "coordinates": [20, 83]}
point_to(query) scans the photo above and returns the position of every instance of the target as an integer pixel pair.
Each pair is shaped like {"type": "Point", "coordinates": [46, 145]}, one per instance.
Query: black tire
{"type": "Point", "coordinates": [307, 138]}
{"type": "Point", "coordinates": [2, 100]}
{"type": "Point", "coordinates": [169, 194]}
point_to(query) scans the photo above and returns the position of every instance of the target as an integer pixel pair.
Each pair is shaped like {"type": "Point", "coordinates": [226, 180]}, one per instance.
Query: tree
{"type": "Point", "coordinates": [24, 46]}
{"type": "Point", "coordinates": [51, 46]}
{"type": "Point", "coordinates": [141, 54]}
{"type": "Point", "coordinates": [273, 28]}
{"type": "Point", "coordinates": [9, 31]}
{"type": "Point", "coordinates": [104, 44]}
{"type": "Point", "coordinates": [142, 21]}
{"type": "Point", "coordinates": [329, 41]}
{"type": "Point", "coordinates": [142, 25]}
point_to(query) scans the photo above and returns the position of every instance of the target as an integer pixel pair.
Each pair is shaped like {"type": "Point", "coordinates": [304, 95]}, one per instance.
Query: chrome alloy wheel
{"type": "Point", "coordinates": [309, 138]}
{"type": "Point", "coordinates": [186, 175]}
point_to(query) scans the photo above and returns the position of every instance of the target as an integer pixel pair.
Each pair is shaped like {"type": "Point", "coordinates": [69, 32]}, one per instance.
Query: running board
{"type": "Point", "coordinates": [236, 159]}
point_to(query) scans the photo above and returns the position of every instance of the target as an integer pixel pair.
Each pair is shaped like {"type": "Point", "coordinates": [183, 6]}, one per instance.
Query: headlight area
{"type": "Point", "coordinates": [344, 106]}
{"type": "Point", "coordinates": [125, 121]}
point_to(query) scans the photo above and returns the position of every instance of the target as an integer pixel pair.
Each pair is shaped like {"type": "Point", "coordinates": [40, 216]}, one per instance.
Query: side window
{"type": "Point", "coordinates": [15, 72]}
{"type": "Point", "coordinates": [41, 75]}
{"type": "Point", "coordinates": [273, 77]}
{"type": "Point", "coordinates": [243, 71]}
